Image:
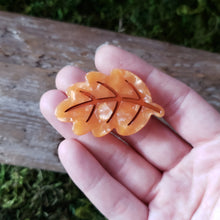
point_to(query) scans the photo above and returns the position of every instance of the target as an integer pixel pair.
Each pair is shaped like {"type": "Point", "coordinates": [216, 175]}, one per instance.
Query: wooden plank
{"type": "Point", "coordinates": [32, 50]}
{"type": "Point", "coordinates": [25, 138]}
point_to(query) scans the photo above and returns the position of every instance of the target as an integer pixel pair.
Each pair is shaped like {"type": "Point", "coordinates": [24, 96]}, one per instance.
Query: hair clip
{"type": "Point", "coordinates": [119, 101]}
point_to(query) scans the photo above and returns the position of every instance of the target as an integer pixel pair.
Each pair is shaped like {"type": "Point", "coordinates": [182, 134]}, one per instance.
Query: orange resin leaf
{"type": "Point", "coordinates": [102, 103]}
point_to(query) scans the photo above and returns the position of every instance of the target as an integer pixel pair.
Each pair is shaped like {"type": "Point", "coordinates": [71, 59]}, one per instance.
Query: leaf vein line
{"type": "Point", "coordinates": [94, 101]}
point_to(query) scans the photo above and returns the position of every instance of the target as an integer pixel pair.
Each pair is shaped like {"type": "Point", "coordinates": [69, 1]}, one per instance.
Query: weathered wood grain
{"type": "Point", "coordinates": [32, 50]}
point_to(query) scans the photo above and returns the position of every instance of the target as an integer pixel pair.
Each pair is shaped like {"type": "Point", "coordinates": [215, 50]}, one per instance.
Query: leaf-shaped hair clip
{"type": "Point", "coordinates": [102, 103]}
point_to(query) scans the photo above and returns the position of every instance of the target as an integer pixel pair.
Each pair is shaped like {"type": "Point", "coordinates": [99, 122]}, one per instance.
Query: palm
{"type": "Point", "coordinates": [191, 188]}
{"type": "Point", "coordinates": [161, 175]}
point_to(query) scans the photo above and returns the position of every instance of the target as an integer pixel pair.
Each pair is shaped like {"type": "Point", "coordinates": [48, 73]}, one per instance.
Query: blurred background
{"type": "Point", "coordinates": [37, 194]}
{"type": "Point", "coordinates": [194, 23]}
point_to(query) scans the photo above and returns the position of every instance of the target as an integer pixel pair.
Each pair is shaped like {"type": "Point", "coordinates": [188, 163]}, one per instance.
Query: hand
{"type": "Point", "coordinates": [162, 175]}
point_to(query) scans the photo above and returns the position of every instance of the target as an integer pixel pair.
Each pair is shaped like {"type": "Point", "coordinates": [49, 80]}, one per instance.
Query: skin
{"type": "Point", "coordinates": [162, 174]}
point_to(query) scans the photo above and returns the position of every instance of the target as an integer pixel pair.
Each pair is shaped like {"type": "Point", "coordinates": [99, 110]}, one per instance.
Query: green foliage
{"type": "Point", "coordinates": [191, 23]}
{"type": "Point", "coordinates": [35, 194]}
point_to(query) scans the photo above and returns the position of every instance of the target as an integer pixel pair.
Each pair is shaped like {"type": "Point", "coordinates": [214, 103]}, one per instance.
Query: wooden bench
{"type": "Point", "coordinates": [32, 50]}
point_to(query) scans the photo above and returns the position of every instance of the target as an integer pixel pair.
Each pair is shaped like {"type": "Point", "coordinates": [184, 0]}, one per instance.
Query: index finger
{"type": "Point", "coordinates": [188, 113]}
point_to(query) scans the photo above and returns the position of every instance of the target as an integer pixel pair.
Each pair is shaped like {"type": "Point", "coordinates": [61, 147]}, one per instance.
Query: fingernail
{"type": "Point", "coordinates": [100, 46]}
